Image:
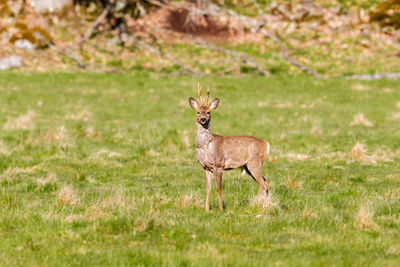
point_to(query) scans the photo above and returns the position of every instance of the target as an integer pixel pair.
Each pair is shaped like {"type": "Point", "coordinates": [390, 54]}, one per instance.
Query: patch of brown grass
{"type": "Point", "coordinates": [94, 213]}
{"type": "Point", "coordinates": [393, 195]}
{"type": "Point", "coordinates": [263, 104]}
{"type": "Point", "coordinates": [293, 183]}
{"type": "Point", "coordinates": [316, 129]}
{"type": "Point", "coordinates": [359, 87]}
{"type": "Point", "coordinates": [299, 157]}
{"type": "Point", "coordinates": [393, 250]}
{"type": "Point", "coordinates": [363, 219]}
{"type": "Point", "coordinates": [118, 202]}
{"type": "Point", "coordinates": [23, 122]}
{"type": "Point", "coordinates": [307, 213]}
{"type": "Point", "coordinates": [10, 172]}
{"type": "Point", "coordinates": [186, 140]}
{"type": "Point", "coordinates": [57, 135]}
{"type": "Point", "coordinates": [153, 153]}
{"type": "Point", "coordinates": [189, 200]}
{"type": "Point", "coordinates": [3, 148]}
{"type": "Point", "coordinates": [360, 120]}
{"type": "Point", "coordinates": [73, 218]}
{"type": "Point", "coordinates": [110, 154]}
{"type": "Point", "coordinates": [50, 215]}
{"type": "Point", "coordinates": [284, 105]}
{"type": "Point", "coordinates": [66, 196]}
{"type": "Point", "coordinates": [396, 116]}
{"type": "Point", "coordinates": [91, 132]}
{"type": "Point", "coordinates": [382, 155]}
{"type": "Point", "coordinates": [263, 203]}
{"type": "Point", "coordinates": [83, 115]}
{"type": "Point", "coordinates": [51, 178]}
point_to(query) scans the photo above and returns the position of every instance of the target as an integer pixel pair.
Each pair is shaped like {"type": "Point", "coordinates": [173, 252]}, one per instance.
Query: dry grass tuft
{"type": "Point", "coordinates": [360, 119]}
{"type": "Point", "coordinates": [110, 154]}
{"type": "Point", "coordinates": [23, 122]}
{"type": "Point", "coordinates": [393, 195]}
{"type": "Point", "coordinates": [284, 105]}
{"type": "Point", "coordinates": [396, 116]}
{"type": "Point", "coordinates": [66, 196]}
{"type": "Point", "coordinates": [72, 218]}
{"type": "Point", "coordinates": [363, 219]}
{"type": "Point", "coordinates": [299, 157]}
{"type": "Point", "coordinates": [3, 148]}
{"type": "Point", "coordinates": [153, 153]}
{"type": "Point", "coordinates": [393, 250]}
{"type": "Point", "coordinates": [263, 203]}
{"type": "Point", "coordinates": [189, 200]}
{"type": "Point", "coordinates": [293, 183]}
{"type": "Point", "coordinates": [57, 135]}
{"type": "Point", "coordinates": [91, 132]}
{"type": "Point", "coordinates": [10, 172]}
{"type": "Point", "coordinates": [83, 115]}
{"type": "Point", "coordinates": [382, 155]}
{"type": "Point", "coordinates": [316, 129]}
{"type": "Point", "coordinates": [359, 153]}
{"type": "Point", "coordinates": [51, 178]}
{"type": "Point", "coordinates": [118, 202]}
{"type": "Point", "coordinates": [186, 140]}
{"type": "Point", "coordinates": [263, 104]}
{"type": "Point", "coordinates": [307, 213]}
{"type": "Point", "coordinates": [94, 213]}
{"type": "Point", "coordinates": [51, 215]}
{"type": "Point", "coordinates": [360, 87]}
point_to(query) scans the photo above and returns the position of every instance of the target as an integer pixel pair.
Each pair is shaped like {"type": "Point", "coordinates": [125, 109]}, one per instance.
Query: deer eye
{"type": "Point", "coordinates": [198, 113]}
{"type": "Point", "coordinates": [208, 113]}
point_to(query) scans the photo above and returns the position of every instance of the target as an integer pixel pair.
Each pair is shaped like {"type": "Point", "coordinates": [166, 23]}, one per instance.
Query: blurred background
{"type": "Point", "coordinates": [325, 38]}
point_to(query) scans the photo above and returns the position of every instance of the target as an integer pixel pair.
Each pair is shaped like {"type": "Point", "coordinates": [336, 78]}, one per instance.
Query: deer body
{"type": "Point", "coordinates": [216, 153]}
{"type": "Point", "coordinates": [228, 152]}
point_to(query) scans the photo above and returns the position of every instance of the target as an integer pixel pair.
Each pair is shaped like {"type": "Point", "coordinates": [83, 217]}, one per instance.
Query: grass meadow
{"type": "Point", "coordinates": [100, 169]}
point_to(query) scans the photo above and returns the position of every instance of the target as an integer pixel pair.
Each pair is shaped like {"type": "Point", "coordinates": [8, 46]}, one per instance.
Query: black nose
{"type": "Point", "coordinates": [202, 120]}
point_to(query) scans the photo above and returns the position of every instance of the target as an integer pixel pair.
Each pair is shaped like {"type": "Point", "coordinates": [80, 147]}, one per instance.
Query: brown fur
{"type": "Point", "coordinates": [216, 153]}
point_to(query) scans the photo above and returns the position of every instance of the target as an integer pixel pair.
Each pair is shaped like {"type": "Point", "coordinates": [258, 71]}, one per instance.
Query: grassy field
{"type": "Point", "coordinates": [100, 170]}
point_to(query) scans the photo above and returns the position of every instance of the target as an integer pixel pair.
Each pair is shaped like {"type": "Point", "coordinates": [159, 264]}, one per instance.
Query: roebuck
{"type": "Point", "coordinates": [216, 153]}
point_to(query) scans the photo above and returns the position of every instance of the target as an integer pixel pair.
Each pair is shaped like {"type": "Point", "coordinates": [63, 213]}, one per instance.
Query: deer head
{"type": "Point", "coordinates": [203, 108]}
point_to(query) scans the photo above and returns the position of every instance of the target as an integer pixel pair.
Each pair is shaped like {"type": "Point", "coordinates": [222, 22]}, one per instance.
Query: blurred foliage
{"type": "Point", "coordinates": [387, 13]}
{"type": "Point", "coordinates": [36, 35]}
{"type": "Point", "coordinates": [132, 8]}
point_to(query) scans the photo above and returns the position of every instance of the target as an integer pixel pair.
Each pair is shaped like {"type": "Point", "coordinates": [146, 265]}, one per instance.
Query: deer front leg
{"type": "Point", "coordinates": [218, 178]}
{"type": "Point", "coordinates": [208, 176]}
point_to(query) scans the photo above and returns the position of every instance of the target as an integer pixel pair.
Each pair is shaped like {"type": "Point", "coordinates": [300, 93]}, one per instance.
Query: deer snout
{"type": "Point", "coordinates": [203, 120]}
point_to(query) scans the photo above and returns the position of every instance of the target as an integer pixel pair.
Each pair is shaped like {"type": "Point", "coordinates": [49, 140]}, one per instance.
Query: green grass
{"type": "Point", "coordinates": [100, 170]}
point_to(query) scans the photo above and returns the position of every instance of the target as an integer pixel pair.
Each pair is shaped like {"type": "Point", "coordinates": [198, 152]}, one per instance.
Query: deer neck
{"type": "Point", "coordinates": [204, 136]}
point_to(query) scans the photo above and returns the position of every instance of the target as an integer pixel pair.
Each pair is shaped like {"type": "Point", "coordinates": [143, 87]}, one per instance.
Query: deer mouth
{"type": "Point", "coordinates": [204, 123]}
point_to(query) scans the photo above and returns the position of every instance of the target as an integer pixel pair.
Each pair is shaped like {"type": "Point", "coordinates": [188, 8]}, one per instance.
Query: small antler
{"type": "Point", "coordinates": [199, 93]}
{"type": "Point", "coordinates": [207, 95]}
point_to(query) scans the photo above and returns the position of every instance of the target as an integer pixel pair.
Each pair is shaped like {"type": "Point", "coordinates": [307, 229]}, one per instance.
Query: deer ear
{"type": "Point", "coordinates": [193, 103]}
{"type": "Point", "coordinates": [214, 104]}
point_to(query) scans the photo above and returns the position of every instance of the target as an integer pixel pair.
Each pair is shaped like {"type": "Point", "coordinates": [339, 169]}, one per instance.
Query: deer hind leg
{"type": "Point", "coordinates": [254, 169]}
{"type": "Point", "coordinates": [218, 178]}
